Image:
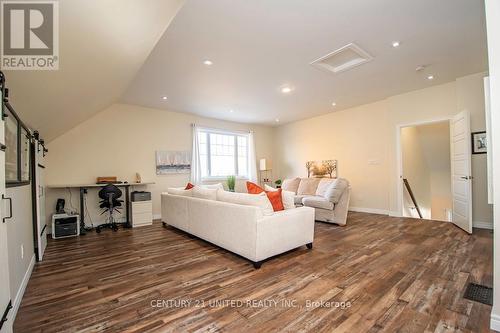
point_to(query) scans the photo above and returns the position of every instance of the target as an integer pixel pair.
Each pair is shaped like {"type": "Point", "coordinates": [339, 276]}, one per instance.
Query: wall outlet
{"type": "Point", "coordinates": [22, 251]}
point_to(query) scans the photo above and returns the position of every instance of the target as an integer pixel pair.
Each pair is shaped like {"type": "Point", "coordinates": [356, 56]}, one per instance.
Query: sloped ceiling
{"type": "Point", "coordinates": [259, 45]}
{"type": "Point", "coordinates": [121, 51]}
{"type": "Point", "coordinates": [102, 44]}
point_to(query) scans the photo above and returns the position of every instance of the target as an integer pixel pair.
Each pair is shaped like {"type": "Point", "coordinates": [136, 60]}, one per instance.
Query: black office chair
{"type": "Point", "coordinates": [110, 203]}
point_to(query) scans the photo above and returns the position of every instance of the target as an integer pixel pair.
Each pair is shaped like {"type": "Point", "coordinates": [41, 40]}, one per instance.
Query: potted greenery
{"type": "Point", "coordinates": [278, 183]}
{"type": "Point", "coordinates": [231, 182]}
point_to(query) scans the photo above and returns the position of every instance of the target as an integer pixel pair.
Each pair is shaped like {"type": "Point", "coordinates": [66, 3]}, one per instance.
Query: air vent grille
{"type": "Point", "coordinates": [343, 59]}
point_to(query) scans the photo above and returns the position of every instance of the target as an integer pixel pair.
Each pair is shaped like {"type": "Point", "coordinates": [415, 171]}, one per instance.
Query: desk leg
{"type": "Point", "coordinates": [127, 208]}
{"type": "Point", "coordinates": [82, 211]}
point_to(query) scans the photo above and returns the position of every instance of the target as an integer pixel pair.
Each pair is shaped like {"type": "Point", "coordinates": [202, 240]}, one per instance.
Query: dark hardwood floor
{"type": "Point", "coordinates": [387, 274]}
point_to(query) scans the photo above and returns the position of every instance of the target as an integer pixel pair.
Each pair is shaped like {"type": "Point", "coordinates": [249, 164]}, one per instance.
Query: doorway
{"type": "Point", "coordinates": [426, 171]}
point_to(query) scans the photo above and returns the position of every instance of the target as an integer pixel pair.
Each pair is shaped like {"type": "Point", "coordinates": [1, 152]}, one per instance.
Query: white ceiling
{"type": "Point", "coordinates": [259, 45]}
{"type": "Point", "coordinates": [102, 46]}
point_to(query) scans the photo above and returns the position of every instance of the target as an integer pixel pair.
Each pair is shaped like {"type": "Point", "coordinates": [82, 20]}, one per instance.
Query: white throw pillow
{"type": "Point", "coordinates": [213, 186]}
{"type": "Point", "coordinates": [258, 200]}
{"type": "Point", "coordinates": [308, 186]}
{"type": "Point", "coordinates": [269, 188]}
{"type": "Point", "coordinates": [287, 197]}
{"type": "Point", "coordinates": [291, 185]}
{"type": "Point", "coordinates": [204, 193]}
{"type": "Point", "coordinates": [336, 189]}
{"type": "Point", "coordinates": [323, 186]}
{"type": "Point", "coordinates": [180, 191]}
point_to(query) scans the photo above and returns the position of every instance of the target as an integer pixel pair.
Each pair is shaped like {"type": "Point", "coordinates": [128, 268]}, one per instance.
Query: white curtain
{"type": "Point", "coordinates": [195, 159]}
{"type": "Point", "coordinates": [253, 160]}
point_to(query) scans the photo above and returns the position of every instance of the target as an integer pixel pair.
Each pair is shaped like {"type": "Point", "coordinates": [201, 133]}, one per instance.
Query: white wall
{"type": "Point", "coordinates": [493, 28]}
{"type": "Point", "coordinates": [417, 172]}
{"type": "Point", "coordinates": [435, 142]}
{"type": "Point", "coordinates": [426, 165]}
{"type": "Point", "coordinates": [357, 138]}
{"type": "Point", "coordinates": [470, 96]}
{"type": "Point", "coordinates": [363, 140]}
{"type": "Point", "coordinates": [121, 141]}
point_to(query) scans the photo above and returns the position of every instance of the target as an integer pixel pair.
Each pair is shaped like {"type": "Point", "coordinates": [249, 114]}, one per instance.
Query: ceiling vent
{"type": "Point", "coordinates": [343, 59]}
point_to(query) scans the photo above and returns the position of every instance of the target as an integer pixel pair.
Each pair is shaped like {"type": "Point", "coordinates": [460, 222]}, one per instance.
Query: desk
{"type": "Point", "coordinates": [83, 189]}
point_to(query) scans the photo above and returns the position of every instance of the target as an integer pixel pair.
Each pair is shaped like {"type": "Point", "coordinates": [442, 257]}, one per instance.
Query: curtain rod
{"type": "Point", "coordinates": [221, 129]}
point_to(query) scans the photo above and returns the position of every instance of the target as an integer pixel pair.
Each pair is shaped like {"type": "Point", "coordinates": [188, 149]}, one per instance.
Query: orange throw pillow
{"type": "Point", "coordinates": [189, 186]}
{"type": "Point", "coordinates": [276, 200]}
{"type": "Point", "coordinates": [254, 188]}
{"type": "Point", "coordinates": [273, 196]}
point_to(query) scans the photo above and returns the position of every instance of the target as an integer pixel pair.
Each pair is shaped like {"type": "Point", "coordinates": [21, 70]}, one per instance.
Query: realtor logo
{"type": "Point", "coordinates": [29, 35]}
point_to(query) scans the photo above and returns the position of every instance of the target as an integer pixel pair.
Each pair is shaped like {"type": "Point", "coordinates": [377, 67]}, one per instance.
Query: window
{"type": "Point", "coordinates": [17, 152]}
{"type": "Point", "coordinates": [223, 154]}
{"type": "Point", "coordinates": [25, 155]}
{"type": "Point", "coordinates": [11, 132]}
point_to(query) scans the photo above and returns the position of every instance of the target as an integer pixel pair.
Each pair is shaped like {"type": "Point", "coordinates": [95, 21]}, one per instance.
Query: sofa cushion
{"type": "Point", "coordinates": [323, 185]}
{"type": "Point", "coordinates": [204, 193]}
{"type": "Point", "coordinates": [286, 196]}
{"type": "Point", "coordinates": [213, 186]}
{"type": "Point", "coordinates": [335, 190]}
{"type": "Point", "coordinates": [291, 185]}
{"type": "Point", "coordinates": [317, 202]}
{"type": "Point", "coordinates": [308, 186]}
{"type": "Point", "coordinates": [275, 199]}
{"type": "Point", "coordinates": [180, 191]}
{"type": "Point", "coordinates": [258, 200]}
{"type": "Point", "coordinates": [298, 199]}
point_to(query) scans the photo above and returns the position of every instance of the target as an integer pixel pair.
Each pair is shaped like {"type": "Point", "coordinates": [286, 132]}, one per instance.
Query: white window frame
{"type": "Point", "coordinates": [235, 134]}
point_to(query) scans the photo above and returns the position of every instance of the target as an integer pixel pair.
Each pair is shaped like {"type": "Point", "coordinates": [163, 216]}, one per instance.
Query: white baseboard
{"type": "Point", "coordinates": [156, 216]}
{"type": "Point", "coordinates": [482, 225]}
{"type": "Point", "coordinates": [495, 322]}
{"type": "Point", "coordinates": [22, 289]}
{"type": "Point", "coordinates": [395, 214]}
{"type": "Point", "coordinates": [369, 210]}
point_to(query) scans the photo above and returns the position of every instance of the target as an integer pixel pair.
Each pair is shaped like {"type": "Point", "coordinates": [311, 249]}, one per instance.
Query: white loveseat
{"type": "Point", "coordinates": [328, 196]}
{"type": "Point", "coordinates": [242, 229]}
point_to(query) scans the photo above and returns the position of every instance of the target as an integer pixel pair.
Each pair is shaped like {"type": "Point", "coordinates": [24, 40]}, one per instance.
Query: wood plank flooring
{"type": "Point", "coordinates": [386, 275]}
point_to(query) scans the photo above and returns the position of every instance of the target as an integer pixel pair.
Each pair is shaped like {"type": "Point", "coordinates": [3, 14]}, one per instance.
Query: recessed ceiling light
{"type": "Point", "coordinates": [231, 111]}
{"type": "Point", "coordinates": [286, 90]}
{"type": "Point", "coordinates": [420, 68]}
{"type": "Point", "coordinates": [164, 98]}
{"type": "Point", "coordinates": [396, 43]}
{"type": "Point", "coordinates": [208, 62]}
{"type": "Point", "coordinates": [277, 120]}
{"type": "Point", "coordinates": [430, 77]}
{"type": "Point", "coordinates": [334, 104]}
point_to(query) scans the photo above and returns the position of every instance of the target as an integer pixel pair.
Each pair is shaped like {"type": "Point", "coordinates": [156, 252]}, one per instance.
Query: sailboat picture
{"type": "Point", "coordinates": [171, 162]}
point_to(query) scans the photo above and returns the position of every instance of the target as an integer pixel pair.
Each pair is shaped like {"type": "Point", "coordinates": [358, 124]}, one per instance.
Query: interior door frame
{"type": "Point", "coordinates": [399, 157]}
{"type": "Point", "coordinates": [34, 198]}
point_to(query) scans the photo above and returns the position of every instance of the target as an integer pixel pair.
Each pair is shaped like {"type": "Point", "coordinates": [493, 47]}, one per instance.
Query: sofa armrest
{"type": "Point", "coordinates": [342, 207]}
{"type": "Point", "coordinates": [284, 231]}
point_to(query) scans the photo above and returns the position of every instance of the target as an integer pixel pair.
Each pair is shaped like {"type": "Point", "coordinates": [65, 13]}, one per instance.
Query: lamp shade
{"type": "Point", "coordinates": [263, 164]}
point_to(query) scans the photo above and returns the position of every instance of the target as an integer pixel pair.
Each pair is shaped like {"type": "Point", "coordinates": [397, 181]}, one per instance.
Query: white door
{"type": "Point", "coordinates": [5, 300]}
{"type": "Point", "coordinates": [40, 204]}
{"type": "Point", "coordinates": [461, 171]}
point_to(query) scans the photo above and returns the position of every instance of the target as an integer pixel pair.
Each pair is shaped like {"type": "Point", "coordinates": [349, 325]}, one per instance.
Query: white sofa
{"type": "Point", "coordinates": [328, 196]}
{"type": "Point", "coordinates": [241, 229]}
